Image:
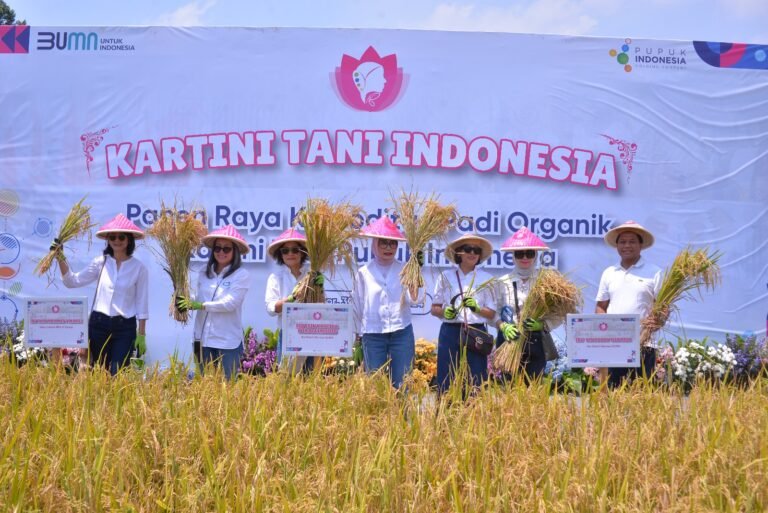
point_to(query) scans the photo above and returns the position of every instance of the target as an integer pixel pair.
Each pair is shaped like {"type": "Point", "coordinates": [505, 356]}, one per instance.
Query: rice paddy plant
{"type": "Point", "coordinates": [161, 442]}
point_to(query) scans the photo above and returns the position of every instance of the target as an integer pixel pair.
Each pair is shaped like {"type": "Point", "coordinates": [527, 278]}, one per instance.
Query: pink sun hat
{"type": "Point", "coordinates": [382, 228]}
{"type": "Point", "coordinates": [289, 235]}
{"type": "Point", "coordinates": [230, 233]}
{"type": "Point", "coordinates": [612, 235]}
{"type": "Point", "coordinates": [120, 224]}
{"type": "Point", "coordinates": [523, 239]}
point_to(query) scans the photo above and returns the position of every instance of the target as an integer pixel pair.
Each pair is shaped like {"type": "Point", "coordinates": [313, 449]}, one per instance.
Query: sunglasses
{"type": "Point", "coordinates": [471, 249]}
{"type": "Point", "coordinates": [293, 251]}
{"type": "Point", "coordinates": [119, 236]}
{"type": "Point", "coordinates": [387, 243]}
{"type": "Point", "coordinates": [226, 249]}
{"type": "Point", "coordinates": [528, 253]}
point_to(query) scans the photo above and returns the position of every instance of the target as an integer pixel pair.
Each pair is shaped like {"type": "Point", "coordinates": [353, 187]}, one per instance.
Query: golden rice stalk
{"type": "Point", "coordinates": [691, 270]}
{"type": "Point", "coordinates": [423, 218]}
{"type": "Point", "coordinates": [552, 296]}
{"type": "Point", "coordinates": [330, 229]}
{"type": "Point", "coordinates": [177, 234]}
{"type": "Point", "coordinates": [77, 223]}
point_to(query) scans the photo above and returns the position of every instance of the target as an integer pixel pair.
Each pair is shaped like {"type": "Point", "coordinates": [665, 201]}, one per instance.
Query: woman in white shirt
{"type": "Point", "coordinates": [290, 253]}
{"type": "Point", "coordinates": [384, 311]}
{"type": "Point", "coordinates": [219, 297]}
{"type": "Point", "coordinates": [474, 307]}
{"type": "Point", "coordinates": [122, 295]}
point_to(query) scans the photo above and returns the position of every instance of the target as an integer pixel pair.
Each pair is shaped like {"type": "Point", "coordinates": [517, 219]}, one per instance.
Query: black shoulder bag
{"type": "Point", "coordinates": [476, 340]}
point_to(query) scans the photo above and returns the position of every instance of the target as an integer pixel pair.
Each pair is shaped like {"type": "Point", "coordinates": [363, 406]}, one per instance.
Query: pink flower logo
{"type": "Point", "coordinates": [317, 316]}
{"type": "Point", "coordinates": [371, 83]}
{"type": "Point", "coordinates": [55, 308]}
{"type": "Point", "coordinates": [603, 326]}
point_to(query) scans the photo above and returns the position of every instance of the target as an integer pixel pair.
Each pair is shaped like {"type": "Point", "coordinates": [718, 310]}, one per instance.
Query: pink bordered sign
{"type": "Point", "coordinates": [603, 340]}
{"type": "Point", "coordinates": [317, 329]}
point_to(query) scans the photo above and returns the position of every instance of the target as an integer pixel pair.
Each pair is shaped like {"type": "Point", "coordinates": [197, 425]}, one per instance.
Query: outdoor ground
{"type": "Point", "coordinates": [88, 442]}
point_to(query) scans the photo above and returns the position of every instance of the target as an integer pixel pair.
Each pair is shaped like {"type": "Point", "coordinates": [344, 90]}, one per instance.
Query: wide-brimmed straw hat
{"type": "Point", "coordinates": [471, 239]}
{"type": "Point", "coordinates": [289, 235]}
{"type": "Point", "coordinates": [629, 226]}
{"type": "Point", "coordinates": [230, 233]}
{"type": "Point", "coordinates": [382, 228]}
{"type": "Point", "coordinates": [523, 239]}
{"type": "Point", "coordinates": [120, 224]}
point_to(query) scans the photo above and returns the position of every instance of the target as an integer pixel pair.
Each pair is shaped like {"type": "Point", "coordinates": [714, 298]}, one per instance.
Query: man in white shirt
{"type": "Point", "coordinates": [629, 287]}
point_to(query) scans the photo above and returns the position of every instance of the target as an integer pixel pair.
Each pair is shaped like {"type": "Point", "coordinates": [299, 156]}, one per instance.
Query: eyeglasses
{"type": "Point", "coordinates": [471, 249]}
{"type": "Point", "coordinates": [294, 251]}
{"type": "Point", "coordinates": [119, 236]}
{"type": "Point", "coordinates": [226, 249]}
{"type": "Point", "coordinates": [528, 253]}
{"type": "Point", "coordinates": [387, 243]}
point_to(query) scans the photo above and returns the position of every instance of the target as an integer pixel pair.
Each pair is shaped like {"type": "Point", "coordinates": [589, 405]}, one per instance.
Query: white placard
{"type": "Point", "coordinates": [56, 322]}
{"type": "Point", "coordinates": [603, 340]}
{"type": "Point", "coordinates": [317, 329]}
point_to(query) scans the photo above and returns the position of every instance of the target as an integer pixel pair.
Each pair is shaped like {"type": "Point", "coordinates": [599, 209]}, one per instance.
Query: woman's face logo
{"type": "Point", "coordinates": [370, 83]}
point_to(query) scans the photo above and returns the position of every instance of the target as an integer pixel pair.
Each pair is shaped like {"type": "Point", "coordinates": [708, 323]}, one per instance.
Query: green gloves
{"type": "Point", "coordinates": [533, 324]}
{"type": "Point", "coordinates": [509, 331]}
{"type": "Point", "coordinates": [420, 258]}
{"type": "Point", "coordinates": [141, 345]}
{"type": "Point", "coordinates": [471, 303]}
{"type": "Point", "coordinates": [188, 304]}
{"type": "Point", "coordinates": [294, 293]}
{"type": "Point", "coordinates": [449, 313]}
{"type": "Point", "coordinates": [319, 280]}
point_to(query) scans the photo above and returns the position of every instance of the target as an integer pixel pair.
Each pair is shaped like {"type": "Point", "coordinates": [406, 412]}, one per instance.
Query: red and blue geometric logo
{"type": "Point", "coordinates": [14, 39]}
{"type": "Point", "coordinates": [732, 55]}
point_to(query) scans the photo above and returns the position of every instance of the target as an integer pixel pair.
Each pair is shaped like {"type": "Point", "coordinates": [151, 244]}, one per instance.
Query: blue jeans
{"type": "Point", "coordinates": [398, 348]}
{"type": "Point", "coordinates": [111, 340]}
{"type": "Point", "coordinates": [229, 359]}
{"type": "Point", "coordinates": [448, 358]}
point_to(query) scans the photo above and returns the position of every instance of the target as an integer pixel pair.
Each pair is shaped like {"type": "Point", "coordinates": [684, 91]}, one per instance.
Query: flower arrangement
{"type": "Point", "coordinates": [751, 356]}
{"type": "Point", "coordinates": [13, 346]}
{"type": "Point", "coordinates": [259, 357]}
{"type": "Point", "coordinates": [697, 360]}
{"type": "Point", "coordinates": [424, 365]}
{"type": "Point", "coordinates": [339, 365]}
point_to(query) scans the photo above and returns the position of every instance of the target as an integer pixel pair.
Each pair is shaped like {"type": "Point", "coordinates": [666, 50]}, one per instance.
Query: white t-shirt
{"type": "Point", "coordinates": [630, 291]}
{"type": "Point", "coordinates": [447, 288]}
{"type": "Point", "coordinates": [378, 298]}
{"type": "Point", "coordinates": [123, 292]}
{"type": "Point", "coordinates": [220, 324]}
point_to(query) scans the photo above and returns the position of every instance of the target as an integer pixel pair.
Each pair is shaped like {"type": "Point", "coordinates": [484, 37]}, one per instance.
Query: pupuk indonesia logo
{"type": "Point", "coordinates": [621, 55]}
{"type": "Point", "coordinates": [371, 83]}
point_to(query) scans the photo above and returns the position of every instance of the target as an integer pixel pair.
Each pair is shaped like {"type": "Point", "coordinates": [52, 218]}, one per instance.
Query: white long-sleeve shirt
{"type": "Point", "coordinates": [447, 287]}
{"type": "Point", "coordinates": [506, 296]}
{"type": "Point", "coordinates": [280, 284]}
{"type": "Point", "coordinates": [123, 292]}
{"type": "Point", "coordinates": [219, 325]}
{"type": "Point", "coordinates": [378, 298]}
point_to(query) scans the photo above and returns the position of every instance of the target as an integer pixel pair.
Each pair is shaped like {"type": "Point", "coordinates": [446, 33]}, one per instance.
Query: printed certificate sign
{"type": "Point", "coordinates": [603, 340]}
{"type": "Point", "coordinates": [56, 322]}
{"type": "Point", "coordinates": [317, 330]}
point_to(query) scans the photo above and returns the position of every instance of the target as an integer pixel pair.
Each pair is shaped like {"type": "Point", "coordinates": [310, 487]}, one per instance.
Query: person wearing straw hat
{"type": "Point", "coordinates": [218, 299]}
{"type": "Point", "coordinates": [120, 308]}
{"type": "Point", "coordinates": [629, 287]}
{"type": "Point", "coordinates": [289, 250]}
{"type": "Point", "coordinates": [514, 288]}
{"type": "Point", "coordinates": [469, 286]}
{"type": "Point", "coordinates": [381, 306]}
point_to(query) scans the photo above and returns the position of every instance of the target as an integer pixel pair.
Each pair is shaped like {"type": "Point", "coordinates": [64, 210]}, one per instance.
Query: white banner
{"type": "Point", "coordinates": [56, 322]}
{"type": "Point", "coordinates": [603, 340]}
{"type": "Point", "coordinates": [565, 135]}
{"type": "Point", "coordinates": [317, 330]}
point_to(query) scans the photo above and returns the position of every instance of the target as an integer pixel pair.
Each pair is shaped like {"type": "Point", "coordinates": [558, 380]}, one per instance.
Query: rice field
{"type": "Point", "coordinates": [88, 442]}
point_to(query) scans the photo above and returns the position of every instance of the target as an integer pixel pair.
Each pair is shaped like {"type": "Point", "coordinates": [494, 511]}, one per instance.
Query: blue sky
{"type": "Point", "coordinates": [711, 20]}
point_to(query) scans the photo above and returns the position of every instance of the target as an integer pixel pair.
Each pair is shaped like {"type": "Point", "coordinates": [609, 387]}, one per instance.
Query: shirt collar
{"type": "Point", "coordinates": [639, 263]}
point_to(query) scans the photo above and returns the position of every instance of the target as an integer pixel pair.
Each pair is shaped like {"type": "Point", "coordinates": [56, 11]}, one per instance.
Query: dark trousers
{"type": "Point", "coordinates": [648, 363]}
{"type": "Point", "coordinates": [449, 352]}
{"type": "Point", "coordinates": [532, 361]}
{"type": "Point", "coordinates": [111, 340]}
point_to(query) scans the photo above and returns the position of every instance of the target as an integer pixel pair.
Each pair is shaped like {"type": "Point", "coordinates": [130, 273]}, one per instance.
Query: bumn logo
{"type": "Point", "coordinates": [67, 41]}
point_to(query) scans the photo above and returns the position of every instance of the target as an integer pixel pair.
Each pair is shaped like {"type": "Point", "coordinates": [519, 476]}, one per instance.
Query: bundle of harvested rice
{"type": "Point", "coordinates": [76, 224]}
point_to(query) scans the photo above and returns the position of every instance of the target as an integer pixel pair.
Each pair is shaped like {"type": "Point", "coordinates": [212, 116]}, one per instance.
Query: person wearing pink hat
{"type": "Point", "coordinates": [122, 295]}
{"type": "Point", "coordinates": [629, 287]}
{"type": "Point", "coordinates": [475, 307]}
{"type": "Point", "coordinates": [218, 300]}
{"type": "Point", "coordinates": [289, 251]}
{"type": "Point", "coordinates": [381, 307]}
{"type": "Point", "coordinates": [514, 288]}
